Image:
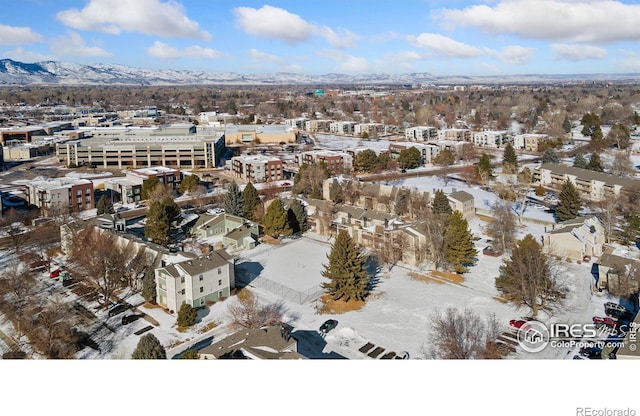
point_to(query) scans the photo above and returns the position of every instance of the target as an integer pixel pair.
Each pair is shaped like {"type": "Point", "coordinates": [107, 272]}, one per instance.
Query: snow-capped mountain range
{"type": "Point", "coordinates": [64, 73]}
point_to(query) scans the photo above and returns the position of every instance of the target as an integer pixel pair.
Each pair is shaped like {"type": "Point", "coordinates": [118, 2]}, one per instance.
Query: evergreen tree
{"type": "Point", "coordinates": [598, 141]}
{"type": "Point", "coordinates": [566, 125]}
{"type": "Point", "coordinates": [233, 200]}
{"type": "Point", "coordinates": [148, 186]}
{"type": "Point", "coordinates": [401, 203]}
{"type": "Point", "coordinates": [458, 243]}
{"type": "Point", "coordinates": [550, 156]}
{"type": "Point", "coordinates": [189, 183]}
{"type": "Point", "coordinates": [149, 348]}
{"type": "Point", "coordinates": [526, 275]}
{"type": "Point", "coordinates": [104, 205]}
{"type": "Point", "coordinates": [149, 285]}
{"type": "Point", "coordinates": [366, 161]}
{"type": "Point", "coordinates": [275, 220]}
{"type": "Point", "coordinates": [187, 315]}
{"type": "Point", "coordinates": [159, 218]}
{"type": "Point", "coordinates": [484, 168]}
{"type": "Point", "coordinates": [297, 217]}
{"type": "Point", "coordinates": [190, 355]}
{"type": "Point", "coordinates": [409, 158]}
{"type": "Point", "coordinates": [595, 164]}
{"type": "Point", "coordinates": [579, 161]}
{"type": "Point", "coordinates": [250, 201]}
{"type": "Point", "coordinates": [440, 204]}
{"type": "Point", "coordinates": [335, 192]}
{"type": "Point", "coordinates": [384, 162]}
{"type": "Point", "coordinates": [509, 159]}
{"type": "Point", "coordinates": [346, 270]}
{"type": "Point", "coordinates": [569, 203]}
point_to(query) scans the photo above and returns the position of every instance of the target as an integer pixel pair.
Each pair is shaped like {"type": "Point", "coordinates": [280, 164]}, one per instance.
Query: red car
{"type": "Point", "coordinates": [517, 323]}
{"type": "Point", "coordinates": [606, 321]}
{"type": "Point", "coordinates": [54, 274]}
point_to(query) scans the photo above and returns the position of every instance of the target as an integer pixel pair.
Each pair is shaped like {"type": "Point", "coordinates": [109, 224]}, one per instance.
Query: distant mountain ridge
{"type": "Point", "coordinates": [64, 73]}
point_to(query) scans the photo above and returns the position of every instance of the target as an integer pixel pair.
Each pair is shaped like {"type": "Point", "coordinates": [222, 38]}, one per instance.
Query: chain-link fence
{"type": "Point", "coordinates": [244, 278]}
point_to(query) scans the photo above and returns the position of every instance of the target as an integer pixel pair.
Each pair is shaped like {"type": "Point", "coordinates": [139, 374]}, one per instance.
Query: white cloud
{"type": "Point", "coordinates": [258, 56]}
{"type": "Point", "coordinates": [151, 17]}
{"type": "Point", "coordinates": [444, 46]}
{"type": "Point", "coordinates": [277, 23]}
{"type": "Point", "coordinates": [21, 55]}
{"type": "Point", "coordinates": [14, 35]}
{"type": "Point", "coordinates": [513, 54]}
{"type": "Point", "coordinates": [163, 51]}
{"type": "Point", "coordinates": [573, 52]}
{"type": "Point", "coordinates": [631, 61]}
{"type": "Point", "coordinates": [346, 63]}
{"type": "Point", "coordinates": [342, 40]}
{"type": "Point", "coordinates": [568, 20]}
{"type": "Point", "coordinates": [74, 45]}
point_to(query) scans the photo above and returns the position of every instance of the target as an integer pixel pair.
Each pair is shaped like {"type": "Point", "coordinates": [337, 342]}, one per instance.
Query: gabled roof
{"type": "Point", "coordinates": [589, 175]}
{"type": "Point", "coordinates": [461, 196]}
{"type": "Point", "coordinates": [204, 263]}
{"type": "Point", "coordinates": [262, 343]}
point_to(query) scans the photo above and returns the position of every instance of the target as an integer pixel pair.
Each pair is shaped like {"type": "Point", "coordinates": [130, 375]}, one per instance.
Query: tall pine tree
{"type": "Point", "coordinates": [579, 161]}
{"type": "Point", "coordinates": [484, 168]}
{"type": "Point", "coordinates": [346, 270]}
{"type": "Point", "coordinates": [250, 201]}
{"type": "Point", "coordinates": [440, 204]}
{"type": "Point", "coordinates": [458, 243]}
{"type": "Point", "coordinates": [275, 220]}
{"type": "Point", "coordinates": [297, 217]}
{"type": "Point", "coordinates": [149, 348]}
{"type": "Point", "coordinates": [233, 203]}
{"type": "Point", "coordinates": [509, 159]}
{"type": "Point", "coordinates": [595, 164]}
{"type": "Point", "coordinates": [569, 203]}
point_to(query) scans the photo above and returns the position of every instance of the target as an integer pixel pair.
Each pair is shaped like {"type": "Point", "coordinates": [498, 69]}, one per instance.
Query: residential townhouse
{"type": "Point", "coordinates": [196, 282]}
{"type": "Point", "coordinates": [575, 239]}
{"type": "Point", "coordinates": [257, 168]}
{"type": "Point", "coordinates": [231, 231]}
{"type": "Point", "coordinates": [272, 342]}
{"type": "Point", "coordinates": [594, 186]}
{"type": "Point", "coordinates": [463, 202]}
{"type": "Point", "coordinates": [342, 127]}
{"type": "Point", "coordinates": [369, 129]}
{"type": "Point", "coordinates": [614, 270]}
{"type": "Point", "coordinates": [317, 126]}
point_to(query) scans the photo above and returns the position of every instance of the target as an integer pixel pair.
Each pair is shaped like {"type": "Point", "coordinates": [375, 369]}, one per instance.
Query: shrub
{"type": "Point", "coordinates": [187, 315]}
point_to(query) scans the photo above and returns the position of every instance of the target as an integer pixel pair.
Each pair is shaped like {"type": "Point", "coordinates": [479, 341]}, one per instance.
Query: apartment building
{"type": "Point", "coordinates": [529, 141]}
{"type": "Point", "coordinates": [337, 162]}
{"type": "Point", "coordinates": [369, 129]}
{"type": "Point", "coordinates": [492, 139]}
{"type": "Point", "coordinates": [259, 134]}
{"type": "Point", "coordinates": [421, 133]}
{"type": "Point", "coordinates": [317, 126]}
{"type": "Point", "coordinates": [463, 202]}
{"type": "Point", "coordinates": [594, 186]}
{"type": "Point", "coordinates": [342, 127]}
{"type": "Point", "coordinates": [51, 194]}
{"type": "Point", "coordinates": [458, 135]}
{"type": "Point", "coordinates": [195, 281]}
{"type": "Point", "coordinates": [428, 151]}
{"type": "Point", "coordinates": [257, 168]}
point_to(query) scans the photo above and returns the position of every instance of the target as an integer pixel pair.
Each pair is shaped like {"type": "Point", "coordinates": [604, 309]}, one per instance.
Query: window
{"type": "Point", "coordinates": [219, 270]}
{"type": "Point", "coordinates": [182, 279]}
{"type": "Point", "coordinates": [182, 292]}
{"type": "Point", "coordinates": [200, 278]}
{"type": "Point", "coordinates": [220, 282]}
{"type": "Point", "coordinates": [201, 289]}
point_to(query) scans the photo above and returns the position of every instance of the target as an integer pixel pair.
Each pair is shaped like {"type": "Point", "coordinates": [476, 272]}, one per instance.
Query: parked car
{"type": "Point", "coordinates": [55, 274]}
{"type": "Point", "coordinates": [127, 319]}
{"type": "Point", "coordinates": [328, 325]}
{"type": "Point", "coordinates": [118, 309]}
{"type": "Point", "coordinates": [605, 321]}
{"type": "Point", "coordinates": [517, 323]}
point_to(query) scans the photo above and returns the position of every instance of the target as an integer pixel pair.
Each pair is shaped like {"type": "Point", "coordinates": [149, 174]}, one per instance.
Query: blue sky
{"type": "Point", "coordinates": [489, 37]}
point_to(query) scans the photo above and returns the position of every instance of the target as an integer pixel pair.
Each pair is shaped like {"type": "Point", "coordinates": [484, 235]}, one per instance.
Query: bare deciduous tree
{"type": "Point", "coordinates": [249, 313]}
{"type": "Point", "coordinates": [503, 227]}
{"type": "Point", "coordinates": [461, 335]}
{"type": "Point", "coordinates": [434, 227]}
{"type": "Point", "coordinates": [17, 285]}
